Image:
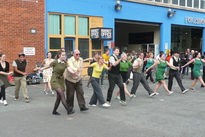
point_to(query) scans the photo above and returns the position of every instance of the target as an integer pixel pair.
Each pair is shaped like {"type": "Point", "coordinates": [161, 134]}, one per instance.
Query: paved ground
{"type": "Point", "coordinates": [178, 115]}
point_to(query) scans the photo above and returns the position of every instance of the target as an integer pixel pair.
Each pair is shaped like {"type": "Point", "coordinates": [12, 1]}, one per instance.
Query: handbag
{"type": "Point", "coordinates": [10, 78]}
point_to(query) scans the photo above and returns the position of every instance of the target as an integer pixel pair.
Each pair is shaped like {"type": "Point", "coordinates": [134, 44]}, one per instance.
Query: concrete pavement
{"type": "Point", "coordinates": [178, 115]}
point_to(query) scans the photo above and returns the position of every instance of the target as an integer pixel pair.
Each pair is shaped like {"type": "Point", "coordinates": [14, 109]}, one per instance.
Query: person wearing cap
{"type": "Point", "coordinates": [174, 72]}
{"type": "Point", "coordinates": [19, 67]}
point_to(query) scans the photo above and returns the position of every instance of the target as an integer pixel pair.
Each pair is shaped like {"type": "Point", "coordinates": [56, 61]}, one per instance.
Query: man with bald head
{"type": "Point", "coordinates": [74, 82]}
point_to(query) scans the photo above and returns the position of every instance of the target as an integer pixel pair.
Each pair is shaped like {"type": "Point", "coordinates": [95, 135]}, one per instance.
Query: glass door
{"type": "Point", "coordinates": [69, 46]}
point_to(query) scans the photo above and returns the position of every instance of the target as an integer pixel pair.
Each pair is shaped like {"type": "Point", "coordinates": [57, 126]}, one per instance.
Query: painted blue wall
{"type": "Point", "coordinates": [130, 11]}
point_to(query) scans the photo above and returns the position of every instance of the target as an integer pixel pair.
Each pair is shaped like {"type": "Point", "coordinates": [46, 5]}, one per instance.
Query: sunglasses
{"type": "Point", "coordinates": [77, 54]}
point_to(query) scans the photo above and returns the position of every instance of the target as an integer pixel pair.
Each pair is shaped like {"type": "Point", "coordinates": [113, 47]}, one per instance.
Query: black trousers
{"type": "Point", "coordinates": [149, 74]}
{"type": "Point", "coordinates": [137, 78]}
{"type": "Point", "coordinates": [175, 74]}
{"type": "Point", "coordinates": [115, 79]}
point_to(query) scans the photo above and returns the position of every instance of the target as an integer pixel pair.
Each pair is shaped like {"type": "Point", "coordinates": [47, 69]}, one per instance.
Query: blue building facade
{"type": "Point", "coordinates": [184, 28]}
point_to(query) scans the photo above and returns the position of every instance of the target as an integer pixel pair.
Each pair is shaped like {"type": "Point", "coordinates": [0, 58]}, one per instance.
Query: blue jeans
{"type": "Point", "coordinates": [97, 92]}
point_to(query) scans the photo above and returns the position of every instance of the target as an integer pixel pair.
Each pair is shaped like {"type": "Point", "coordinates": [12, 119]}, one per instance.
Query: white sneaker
{"type": "Point", "coordinates": [52, 92]}
{"type": "Point", "coordinates": [186, 90]}
{"type": "Point", "coordinates": [5, 103]}
{"type": "Point", "coordinates": [171, 92]}
{"type": "Point", "coordinates": [123, 102]}
{"type": "Point", "coordinates": [91, 105]}
{"type": "Point", "coordinates": [1, 102]}
{"type": "Point", "coordinates": [105, 105]}
{"type": "Point", "coordinates": [157, 93]}
{"type": "Point", "coordinates": [152, 94]}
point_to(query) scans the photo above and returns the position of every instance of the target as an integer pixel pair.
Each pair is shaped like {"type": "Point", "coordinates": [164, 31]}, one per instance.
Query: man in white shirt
{"type": "Point", "coordinates": [114, 77]}
{"type": "Point", "coordinates": [173, 72]}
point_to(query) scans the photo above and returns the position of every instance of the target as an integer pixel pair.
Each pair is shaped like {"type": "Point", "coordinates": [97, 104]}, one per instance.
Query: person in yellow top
{"type": "Point", "coordinates": [106, 57]}
{"type": "Point", "coordinates": [97, 71]}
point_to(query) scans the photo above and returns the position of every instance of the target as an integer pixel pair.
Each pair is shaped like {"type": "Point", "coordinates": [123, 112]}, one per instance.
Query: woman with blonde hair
{"type": "Point", "coordinates": [97, 92]}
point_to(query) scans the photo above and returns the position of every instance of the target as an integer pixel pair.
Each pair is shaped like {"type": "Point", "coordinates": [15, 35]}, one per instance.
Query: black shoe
{"type": "Point", "coordinates": [153, 81]}
{"type": "Point", "coordinates": [83, 109]}
{"type": "Point", "coordinates": [55, 113]}
{"type": "Point", "coordinates": [70, 112]}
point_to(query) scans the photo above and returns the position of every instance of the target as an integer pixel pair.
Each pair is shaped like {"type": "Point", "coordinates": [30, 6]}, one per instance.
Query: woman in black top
{"type": "Point", "coordinates": [4, 72]}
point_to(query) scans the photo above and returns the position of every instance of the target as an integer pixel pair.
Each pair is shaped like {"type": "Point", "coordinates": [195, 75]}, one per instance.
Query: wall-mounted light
{"type": "Point", "coordinates": [171, 13]}
{"type": "Point", "coordinates": [118, 6]}
{"type": "Point", "coordinates": [33, 31]}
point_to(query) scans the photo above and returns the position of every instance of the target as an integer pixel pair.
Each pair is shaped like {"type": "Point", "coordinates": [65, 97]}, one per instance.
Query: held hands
{"type": "Point", "coordinates": [10, 73]}
{"type": "Point", "coordinates": [40, 69]}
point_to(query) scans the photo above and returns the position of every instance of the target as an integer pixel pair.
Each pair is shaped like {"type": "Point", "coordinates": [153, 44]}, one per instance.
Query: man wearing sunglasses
{"type": "Point", "coordinates": [74, 82]}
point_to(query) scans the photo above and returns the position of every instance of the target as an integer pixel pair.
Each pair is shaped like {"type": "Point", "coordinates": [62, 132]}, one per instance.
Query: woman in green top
{"type": "Point", "coordinates": [57, 80]}
{"type": "Point", "coordinates": [196, 70]}
{"type": "Point", "coordinates": [97, 92]}
{"type": "Point", "coordinates": [124, 66]}
{"type": "Point", "coordinates": [162, 64]}
{"type": "Point", "coordinates": [150, 62]}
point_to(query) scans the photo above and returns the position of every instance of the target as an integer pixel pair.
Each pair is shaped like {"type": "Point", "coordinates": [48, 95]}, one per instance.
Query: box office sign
{"type": "Point", "coordinates": [101, 33]}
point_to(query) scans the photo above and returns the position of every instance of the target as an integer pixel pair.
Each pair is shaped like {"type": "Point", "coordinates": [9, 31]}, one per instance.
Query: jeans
{"type": "Point", "coordinates": [97, 92]}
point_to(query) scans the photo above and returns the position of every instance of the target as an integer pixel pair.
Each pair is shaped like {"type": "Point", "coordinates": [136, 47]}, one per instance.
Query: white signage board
{"type": "Point", "coordinates": [29, 50]}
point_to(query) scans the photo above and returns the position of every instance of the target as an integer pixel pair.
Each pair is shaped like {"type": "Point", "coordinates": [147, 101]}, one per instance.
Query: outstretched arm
{"type": "Point", "coordinates": [188, 63]}
{"type": "Point", "coordinates": [155, 63]}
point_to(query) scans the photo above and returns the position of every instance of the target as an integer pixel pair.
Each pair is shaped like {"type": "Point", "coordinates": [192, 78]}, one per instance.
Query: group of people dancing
{"type": "Point", "coordinates": [117, 66]}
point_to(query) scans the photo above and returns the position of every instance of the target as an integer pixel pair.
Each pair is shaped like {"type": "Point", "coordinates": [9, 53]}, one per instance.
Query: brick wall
{"type": "Point", "coordinates": [16, 19]}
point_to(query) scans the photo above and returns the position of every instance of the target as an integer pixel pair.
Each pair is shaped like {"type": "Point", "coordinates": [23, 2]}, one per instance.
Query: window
{"type": "Point", "coordinates": [175, 2]}
{"type": "Point", "coordinates": [202, 4]}
{"type": "Point", "coordinates": [158, 0]}
{"type": "Point", "coordinates": [69, 25]}
{"type": "Point", "coordinates": [55, 43]}
{"type": "Point", "coordinates": [83, 26]}
{"type": "Point", "coordinates": [167, 1]}
{"type": "Point", "coordinates": [83, 46]}
{"type": "Point", "coordinates": [196, 4]}
{"type": "Point", "coordinates": [182, 2]}
{"type": "Point", "coordinates": [189, 3]}
{"type": "Point", "coordinates": [55, 24]}
{"type": "Point", "coordinates": [96, 44]}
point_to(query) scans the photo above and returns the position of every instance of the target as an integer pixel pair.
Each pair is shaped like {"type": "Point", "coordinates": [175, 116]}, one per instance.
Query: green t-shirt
{"type": "Point", "coordinates": [124, 66]}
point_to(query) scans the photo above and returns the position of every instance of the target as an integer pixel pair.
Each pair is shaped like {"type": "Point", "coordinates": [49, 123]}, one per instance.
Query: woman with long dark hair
{"type": "Point", "coordinates": [197, 62]}
{"type": "Point", "coordinates": [4, 73]}
{"type": "Point", "coordinates": [162, 64]}
{"type": "Point", "coordinates": [57, 80]}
